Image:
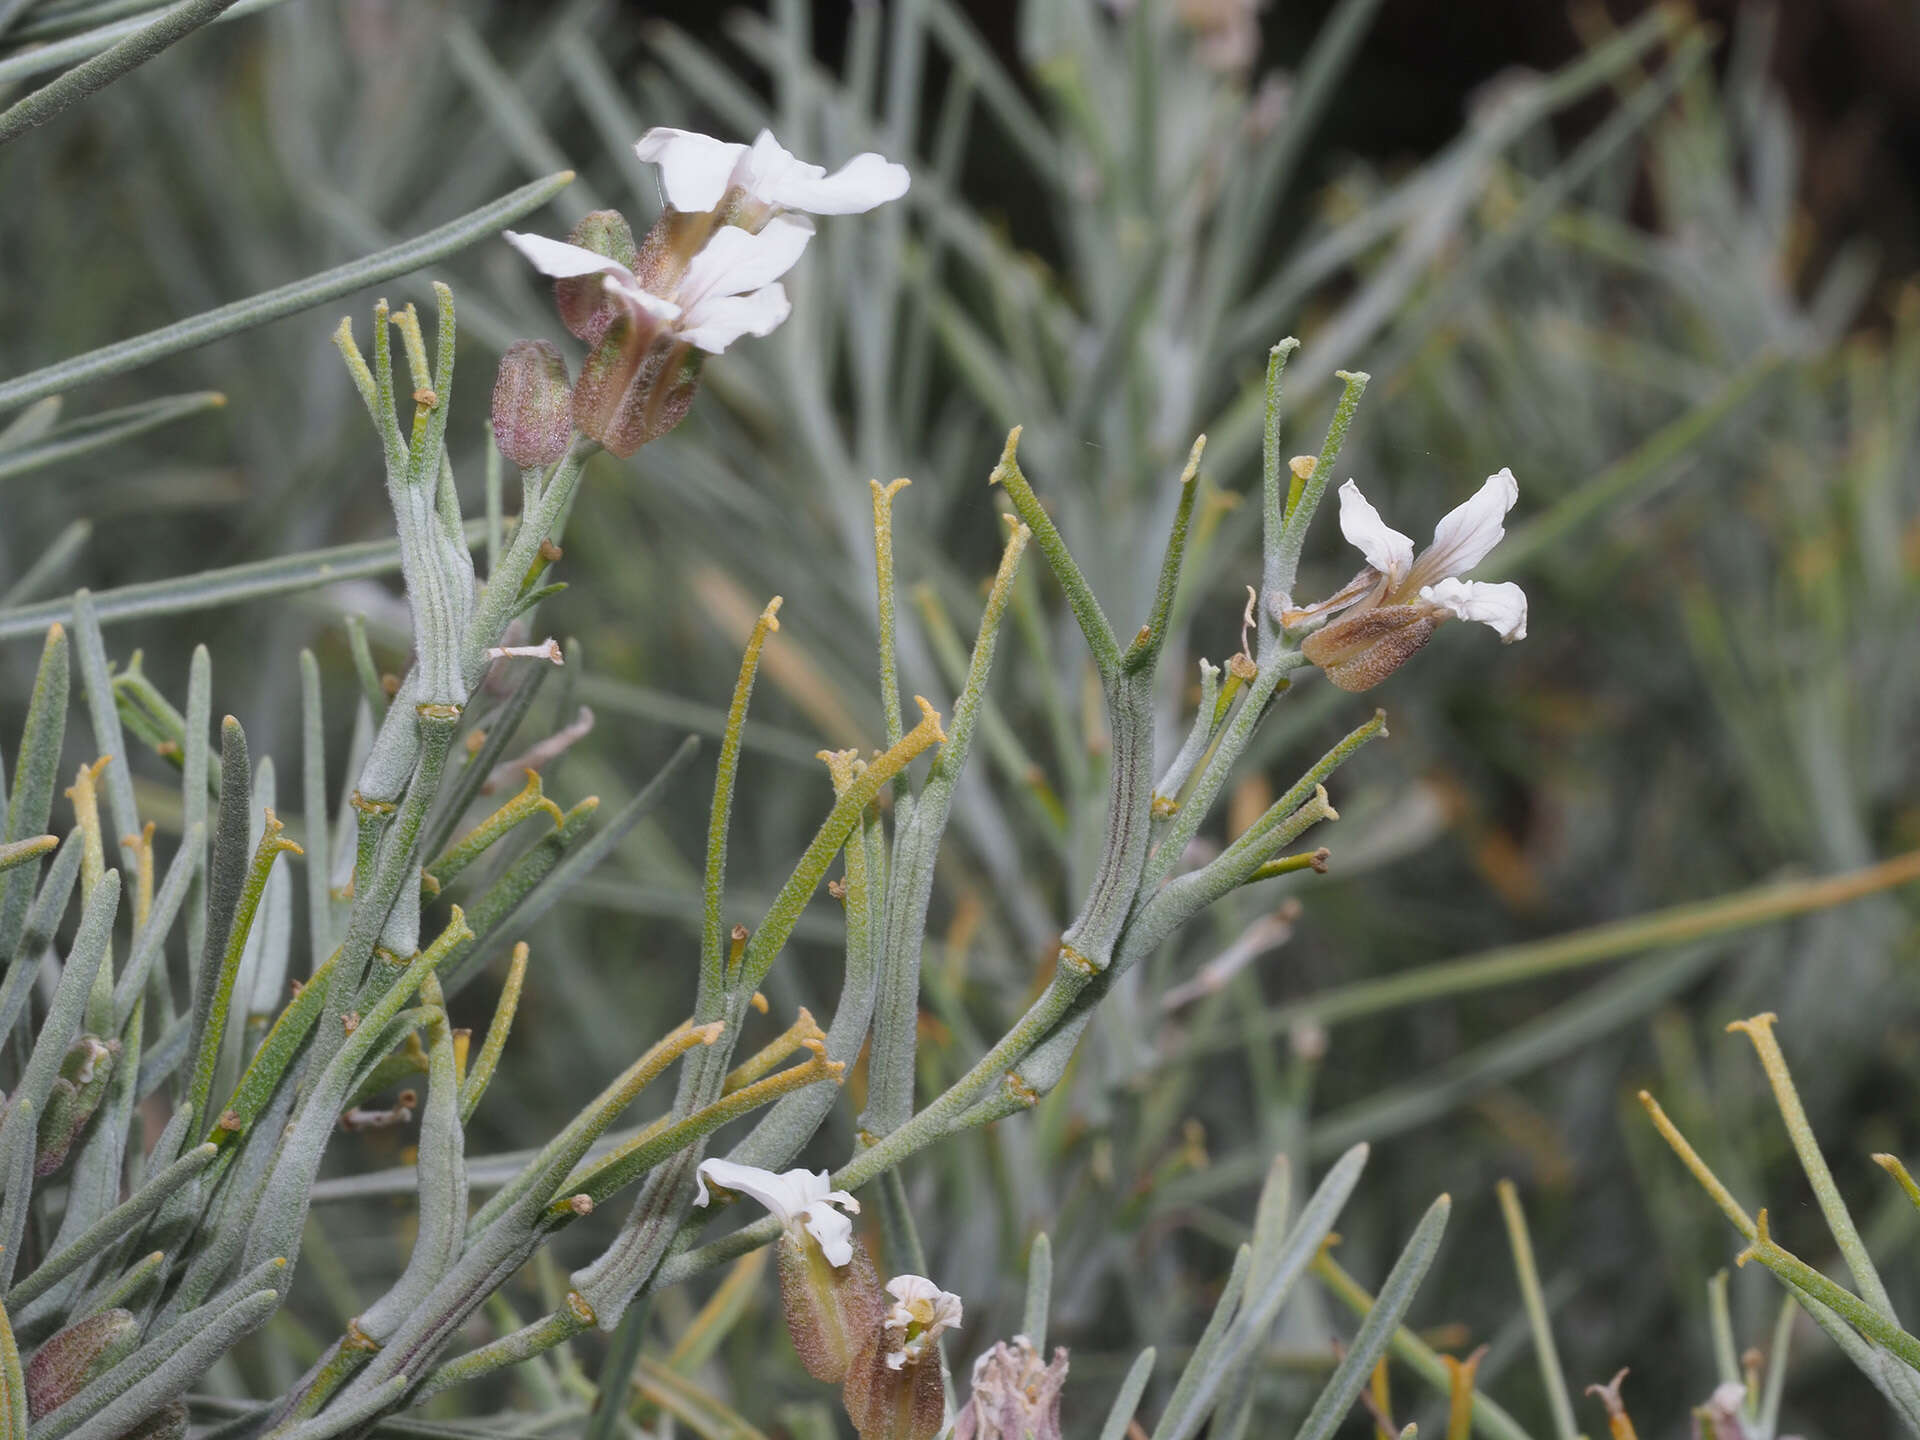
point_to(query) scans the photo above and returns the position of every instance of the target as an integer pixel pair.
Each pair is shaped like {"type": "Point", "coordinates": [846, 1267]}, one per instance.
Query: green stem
{"type": "Point", "coordinates": [1548, 1354]}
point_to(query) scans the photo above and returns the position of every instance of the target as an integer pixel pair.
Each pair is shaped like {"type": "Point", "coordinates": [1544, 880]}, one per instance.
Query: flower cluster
{"type": "Point", "coordinates": [1392, 607]}
{"type": "Point", "coordinates": [707, 273]}
{"type": "Point", "coordinates": [883, 1355]}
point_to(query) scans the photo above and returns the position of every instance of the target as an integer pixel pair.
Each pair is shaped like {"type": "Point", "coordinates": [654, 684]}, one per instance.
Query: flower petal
{"type": "Point", "coordinates": [920, 1312]}
{"type": "Point", "coordinates": [561, 260]}
{"type": "Point", "coordinates": [785, 1195]}
{"type": "Point", "coordinates": [643, 301]}
{"type": "Point", "coordinates": [833, 1230]}
{"type": "Point", "coordinates": [906, 1288]}
{"type": "Point", "coordinates": [735, 261]}
{"type": "Point", "coordinates": [1468, 531]}
{"type": "Point", "coordinates": [866, 181]}
{"type": "Point", "coordinates": [772, 175]}
{"type": "Point", "coordinates": [1502, 606]}
{"type": "Point", "coordinates": [695, 170]}
{"type": "Point", "coordinates": [715, 324]}
{"type": "Point", "coordinates": [1386, 549]}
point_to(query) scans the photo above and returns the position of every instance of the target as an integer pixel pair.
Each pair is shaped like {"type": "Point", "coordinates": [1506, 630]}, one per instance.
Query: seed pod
{"type": "Point", "coordinates": [585, 307]}
{"type": "Point", "coordinates": [831, 1309]}
{"type": "Point", "coordinates": [1357, 653]}
{"type": "Point", "coordinates": [532, 404]}
{"type": "Point", "coordinates": [62, 1368]}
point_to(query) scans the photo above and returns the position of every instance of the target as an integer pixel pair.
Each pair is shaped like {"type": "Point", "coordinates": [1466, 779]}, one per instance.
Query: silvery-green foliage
{"type": "Point", "coordinates": [133, 985]}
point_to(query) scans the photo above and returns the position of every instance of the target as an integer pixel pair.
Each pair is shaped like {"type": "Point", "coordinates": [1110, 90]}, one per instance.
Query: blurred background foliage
{"type": "Point", "coordinates": [1660, 264]}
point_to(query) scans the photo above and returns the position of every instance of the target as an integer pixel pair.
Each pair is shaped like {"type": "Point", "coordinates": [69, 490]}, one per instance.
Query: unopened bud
{"type": "Point", "coordinates": [1358, 652]}
{"type": "Point", "coordinates": [76, 1094]}
{"type": "Point", "coordinates": [532, 404]}
{"type": "Point", "coordinates": [1015, 1397]}
{"type": "Point", "coordinates": [88, 1348]}
{"type": "Point", "coordinates": [831, 1309]}
{"type": "Point", "coordinates": [585, 307]}
{"type": "Point", "coordinates": [169, 1422]}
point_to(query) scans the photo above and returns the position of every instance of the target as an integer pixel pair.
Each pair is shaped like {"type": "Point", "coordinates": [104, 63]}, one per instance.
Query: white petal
{"type": "Point", "coordinates": [735, 261]}
{"type": "Point", "coordinates": [1503, 606]}
{"type": "Point", "coordinates": [1470, 530]}
{"type": "Point", "coordinates": [785, 1195]}
{"type": "Point", "coordinates": [695, 169]}
{"type": "Point", "coordinates": [917, 1301]}
{"type": "Point", "coordinates": [717, 323]}
{"type": "Point", "coordinates": [905, 1288]}
{"type": "Point", "coordinates": [643, 301]}
{"type": "Point", "coordinates": [833, 1230]}
{"type": "Point", "coordinates": [563, 261]}
{"type": "Point", "coordinates": [862, 183]}
{"type": "Point", "coordinates": [1386, 549]}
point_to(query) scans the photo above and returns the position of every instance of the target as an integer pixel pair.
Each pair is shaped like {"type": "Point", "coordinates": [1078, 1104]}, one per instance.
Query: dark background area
{"type": "Point", "coordinates": [1849, 68]}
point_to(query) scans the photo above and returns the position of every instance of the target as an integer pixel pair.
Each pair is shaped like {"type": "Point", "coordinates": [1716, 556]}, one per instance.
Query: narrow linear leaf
{"type": "Point", "coordinates": [290, 299]}
{"type": "Point", "coordinates": [97, 432]}
{"type": "Point", "coordinates": [1377, 1330]}
{"type": "Point", "coordinates": [231, 585]}
{"type": "Point", "coordinates": [173, 26]}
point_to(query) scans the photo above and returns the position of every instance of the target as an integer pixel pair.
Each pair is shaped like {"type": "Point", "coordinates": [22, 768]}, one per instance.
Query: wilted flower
{"type": "Point", "coordinates": [894, 1390]}
{"type": "Point", "coordinates": [828, 1288]}
{"type": "Point", "coordinates": [1392, 607]}
{"type": "Point", "coordinates": [1015, 1397]}
{"type": "Point", "coordinates": [706, 274]}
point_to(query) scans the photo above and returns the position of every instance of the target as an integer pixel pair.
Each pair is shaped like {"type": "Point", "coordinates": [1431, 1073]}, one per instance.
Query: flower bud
{"type": "Point", "coordinates": [1014, 1397]}
{"type": "Point", "coordinates": [86, 1349]}
{"type": "Point", "coordinates": [169, 1422]}
{"type": "Point", "coordinates": [893, 1389]}
{"type": "Point", "coordinates": [585, 307]}
{"type": "Point", "coordinates": [76, 1094]}
{"type": "Point", "coordinates": [831, 1309]}
{"type": "Point", "coordinates": [1358, 651]}
{"type": "Point", "coordinates": [532, 405]}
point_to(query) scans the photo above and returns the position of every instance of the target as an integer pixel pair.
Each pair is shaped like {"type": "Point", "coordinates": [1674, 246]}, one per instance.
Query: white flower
{"type": "Point", "coordinates": [1394, 575]}
{"type": "Point", "coordinates": [1393, 606]}
{"type": "Point", "coordinates": [698, 172]}
{"type": "Point", "coordinates": [920, 1312]}
{"type": "Point", "coordinates": [797, 1196]}
{"type": "Point", "coordinates": [727, 290]}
